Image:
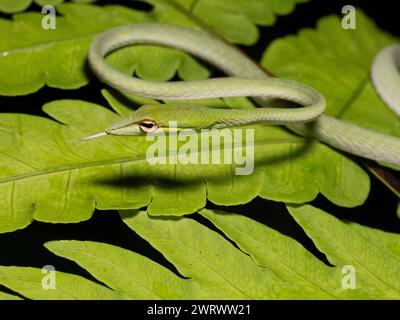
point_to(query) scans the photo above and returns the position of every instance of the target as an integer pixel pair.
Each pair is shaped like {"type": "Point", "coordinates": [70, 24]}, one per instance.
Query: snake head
{"type": "Point", "coordinates": [154, 118]}
{"type": "Point", "coordinates": [146, 119]}
{"type": "Point", "coordinates": [157, 118]}
{"type": "Point", "coordinates": [133, 125]}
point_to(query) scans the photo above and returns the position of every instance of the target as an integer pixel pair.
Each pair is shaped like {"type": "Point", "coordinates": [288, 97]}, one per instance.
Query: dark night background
{"type": "Point", "coordinates": [24, 247]}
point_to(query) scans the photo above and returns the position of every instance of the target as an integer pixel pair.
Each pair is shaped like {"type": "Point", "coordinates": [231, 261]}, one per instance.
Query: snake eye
{"type": "Point", "coordinates": [148, 126]}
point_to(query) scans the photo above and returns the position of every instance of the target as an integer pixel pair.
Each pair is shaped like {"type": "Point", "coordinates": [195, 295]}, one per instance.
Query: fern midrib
{"type": "Point", "coordinates": [92, 164]}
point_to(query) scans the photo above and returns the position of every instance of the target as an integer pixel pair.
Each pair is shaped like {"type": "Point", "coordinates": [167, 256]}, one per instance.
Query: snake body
{"type": "Point", "coordinates": [385, 76]}
{"type": "Point", "coordinates": [244, 78]}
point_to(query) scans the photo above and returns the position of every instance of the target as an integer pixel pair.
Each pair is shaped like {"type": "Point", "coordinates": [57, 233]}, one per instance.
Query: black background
{"type": "Point", "coordinates": [24, 247]}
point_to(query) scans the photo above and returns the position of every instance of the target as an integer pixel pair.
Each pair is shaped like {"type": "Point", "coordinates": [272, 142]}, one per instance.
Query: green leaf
{"type": "Point", "coordinates": [10, 6]}
{"type": "Point", "coordinates": [45, 177]}
{"type": "Point", "coordinates": [6, 296]}
{"type": "Point", "coordinates": [374, 254]}
{"type": "Point", "coordinates": [114, 174]}
{"type": "Point", "coordinates": [204, 256]}
{"type": "Point", "coordinates": [31, 57]}
{"type": "Point", "coordinates": [199, 251]}
{"type": "Point", "coordinates": [13, 6]}
{"type": "Point", "coordinates": [235, 20]}
{"type": "Point", "coordinates": [337, 63]}
{"type": "Point", "coordinates": [284, 256]}
{"type": "Point", "coordinates": [124, 270]}
{"type": "Point", "coordinates": [28, 282]}
{"type": "Point", "coordinates": [67, 183]}
{"type": "Point", "coordinates": [48, 2]}
{"type": "Point", "coordinates": [252, 262]}
{"type": "Point", "coordinates": [288, 259]}
{"type": "Point", "coordinates": [165, 63]}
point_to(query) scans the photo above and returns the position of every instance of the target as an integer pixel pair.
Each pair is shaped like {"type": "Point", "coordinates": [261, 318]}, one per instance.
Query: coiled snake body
{"type": "Point", "coordinates": [244, 79]}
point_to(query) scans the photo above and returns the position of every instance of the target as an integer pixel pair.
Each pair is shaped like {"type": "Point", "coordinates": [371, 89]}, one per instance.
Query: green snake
{"type": "Point", "coordinates": [244, 78]}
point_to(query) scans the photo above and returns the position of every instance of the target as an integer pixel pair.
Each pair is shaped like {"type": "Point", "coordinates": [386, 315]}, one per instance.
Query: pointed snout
{"type": "Point", "coordinates": [124, 127]}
